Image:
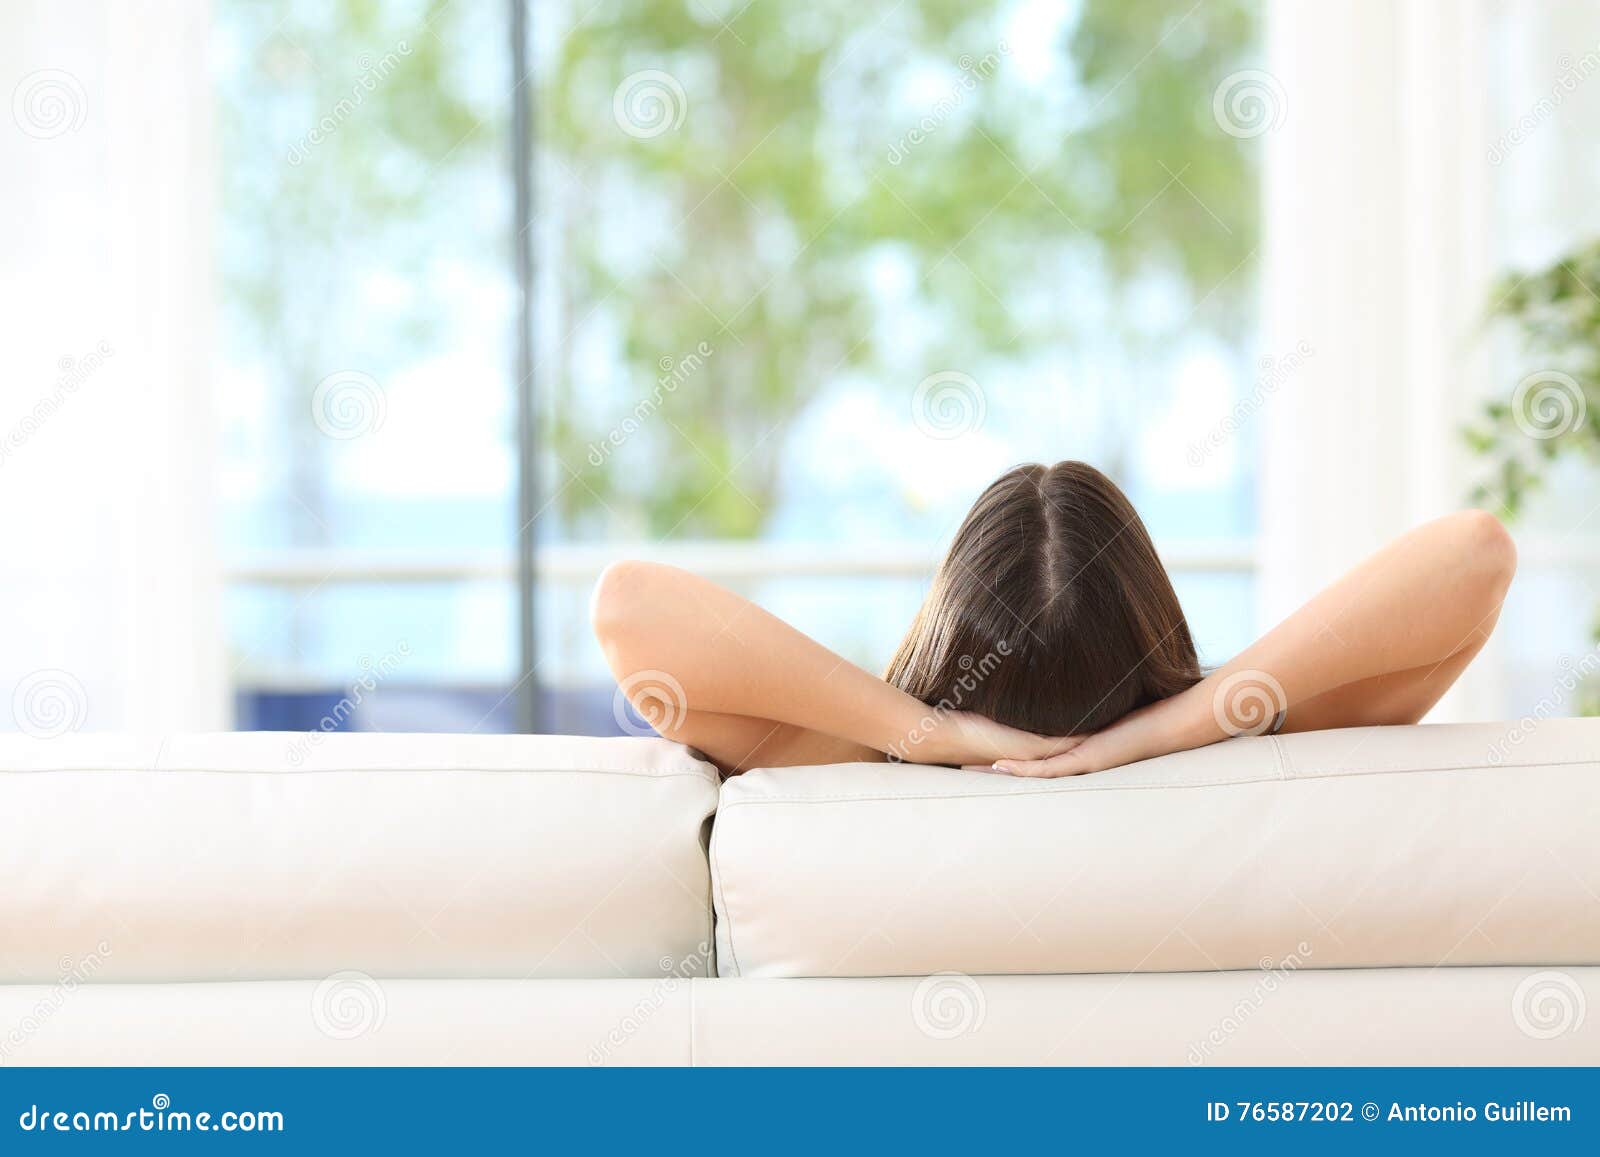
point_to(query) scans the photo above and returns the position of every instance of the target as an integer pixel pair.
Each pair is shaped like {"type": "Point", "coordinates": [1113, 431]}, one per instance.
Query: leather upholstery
{"type": "Point", "coordinates": [390, 899]}
{"type": "Point", "coordinates": [1400, 1016]}
{"type": "Point", "coordinates": [1369, 847]}
{"type": "Point", "coordinates": [1451, 1016]}
{"type": "Point", "coordinates": [352, 1021]}
{"type": "Point", "coordinates": [262, 856]}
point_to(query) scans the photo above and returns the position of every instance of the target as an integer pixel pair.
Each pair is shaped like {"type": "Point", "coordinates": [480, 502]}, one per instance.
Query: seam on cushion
{"type": "Point", "coordinates": [1234, 782]}
{"type": "Point", "coordinates": [710, 941]}
{"type": "Point", "coordinates": [720, 890]}
{"type": "Point", "coordinates": [640, 773]}
{"type": "Point", "coordinates": [1325, 772]}
{"type": "Point", "coordinates": [1277, 751]}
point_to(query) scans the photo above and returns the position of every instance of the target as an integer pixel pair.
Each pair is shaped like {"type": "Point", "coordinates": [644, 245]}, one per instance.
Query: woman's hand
{"type": "Point", "coordinates": [965, 738]}
{"type": "Point", "coordinates": [1175, 724]}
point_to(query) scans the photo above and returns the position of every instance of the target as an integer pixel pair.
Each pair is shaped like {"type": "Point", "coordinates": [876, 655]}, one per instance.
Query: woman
{"type": "Point", "coordinates": [1051, 643]}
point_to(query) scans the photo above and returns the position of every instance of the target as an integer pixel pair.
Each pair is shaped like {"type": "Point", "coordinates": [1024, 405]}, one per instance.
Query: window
{"type": "Point", "coordinates": [367, 465]}
{"type": "Point", "coordinates": [807, 277]}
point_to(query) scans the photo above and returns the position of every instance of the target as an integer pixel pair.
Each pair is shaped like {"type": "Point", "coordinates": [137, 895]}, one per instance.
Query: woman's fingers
{"type": "Point", "coordinates": [1060, 745]}
{"type": "Point", "coordinates": [1042, 749]}
{"type": "Point", "coordinates": [1068, 763]}
{"type": "Point", "coordinates": [1057, 758]}
{"type": "Point", "coordinates": [1004, 746]}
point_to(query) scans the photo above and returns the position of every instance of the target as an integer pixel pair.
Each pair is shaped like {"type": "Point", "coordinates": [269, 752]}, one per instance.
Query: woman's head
{"type": "Point", "coordinates": [1051, 612]}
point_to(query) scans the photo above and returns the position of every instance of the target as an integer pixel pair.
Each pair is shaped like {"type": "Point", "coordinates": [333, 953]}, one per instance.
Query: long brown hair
{"type": "Point", "coordinates": [1051, 611]}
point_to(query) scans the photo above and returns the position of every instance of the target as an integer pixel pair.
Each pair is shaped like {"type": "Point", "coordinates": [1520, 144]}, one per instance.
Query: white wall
{"type": "Point", "coordinates": [108, 588]}
{"type": "Point", "coordinates": [1376, 255]}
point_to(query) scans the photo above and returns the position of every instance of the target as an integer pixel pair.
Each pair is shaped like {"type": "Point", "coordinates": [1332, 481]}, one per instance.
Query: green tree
{"type": "Point", "coordinates": [767, 163]}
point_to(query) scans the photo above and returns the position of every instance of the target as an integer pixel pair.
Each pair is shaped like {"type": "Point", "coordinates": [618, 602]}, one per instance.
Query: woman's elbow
{"type": "Point", "coordinates": [620, 595]}
{"type": "Point", "coordinates": [1487, 550]}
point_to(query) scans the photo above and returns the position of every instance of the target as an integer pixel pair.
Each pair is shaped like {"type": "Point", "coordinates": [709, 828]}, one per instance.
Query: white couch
{"type": "Point", "coordinates": [1401, 895]}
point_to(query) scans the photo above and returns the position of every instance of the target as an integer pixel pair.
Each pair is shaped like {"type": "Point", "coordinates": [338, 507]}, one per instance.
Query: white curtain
{"type": "Point", "coordinates": [1377, 257]}
{"type": "Point", "coordinates": [109, 587]}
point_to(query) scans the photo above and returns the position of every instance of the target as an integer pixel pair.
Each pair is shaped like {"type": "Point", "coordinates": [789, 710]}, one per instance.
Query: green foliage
{"type": "Point", "coordinates": [1554, 411]}
{"type": "Point", "coordinates": [756, 224]}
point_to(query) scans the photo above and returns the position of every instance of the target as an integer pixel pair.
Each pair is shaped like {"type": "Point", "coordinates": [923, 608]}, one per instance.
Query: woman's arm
{"type": "Point", "coordinates": [715, 671]}
{"type": "Point", "coordinates": [1380, 645]}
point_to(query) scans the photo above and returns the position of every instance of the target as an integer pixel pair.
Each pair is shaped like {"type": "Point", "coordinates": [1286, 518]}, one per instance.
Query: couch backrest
{"type": "Point", "coordinates": [1462, 844]}
{"type": "Point", "coordinates": [272, 855]}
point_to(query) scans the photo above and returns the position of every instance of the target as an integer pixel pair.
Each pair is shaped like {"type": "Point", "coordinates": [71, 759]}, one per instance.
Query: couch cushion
{"type": "Point", "coordinates": [283, 856]}
{"type": "Point", "coordinates": [1401, 1016]}
{"type": "Point", "coordinates": [350, 1019]}
{"type": "Point", "coordinates": [1369, 847]}
{"type": "Point", "coordinates": [1351, 1016]}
